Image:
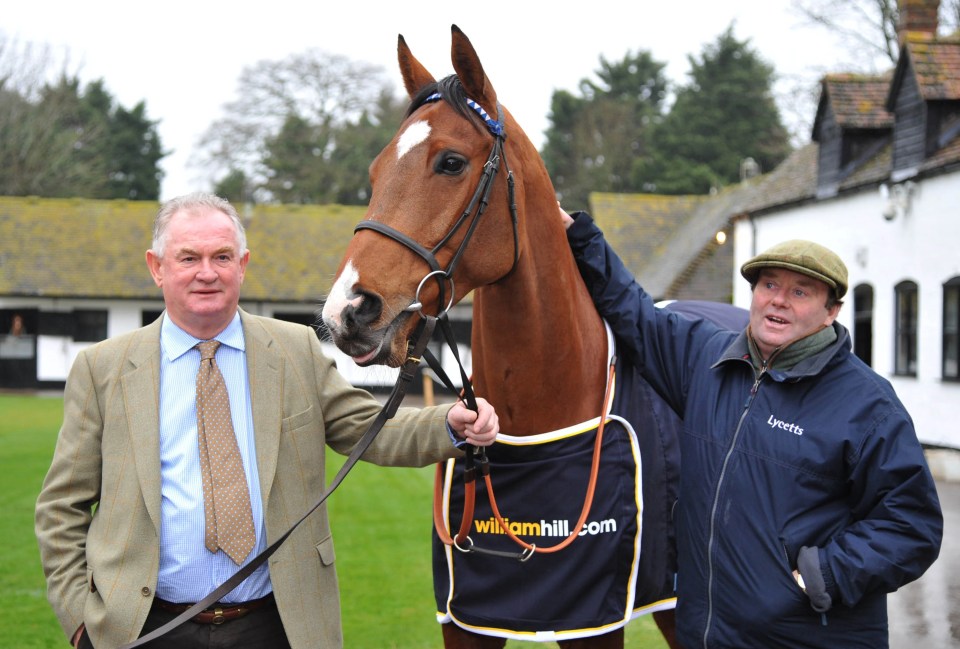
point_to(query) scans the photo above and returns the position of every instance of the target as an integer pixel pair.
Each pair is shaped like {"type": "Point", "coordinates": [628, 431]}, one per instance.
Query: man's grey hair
{"type": "Point", "coordinates": [193, 204]}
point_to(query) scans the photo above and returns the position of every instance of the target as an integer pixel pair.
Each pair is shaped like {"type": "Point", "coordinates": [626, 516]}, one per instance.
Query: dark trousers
{"type": "Point", "coordinates": [260, 629]}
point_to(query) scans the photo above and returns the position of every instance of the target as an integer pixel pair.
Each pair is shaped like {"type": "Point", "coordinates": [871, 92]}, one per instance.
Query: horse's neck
{"type": "Point", "coordinates": [539, 347]}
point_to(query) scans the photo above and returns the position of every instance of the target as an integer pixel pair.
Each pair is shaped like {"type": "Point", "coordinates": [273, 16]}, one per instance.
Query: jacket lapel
{"type": "Point", "coordinates": [141, 390]}
{"type": "Point", "coordinates": [266, 395]}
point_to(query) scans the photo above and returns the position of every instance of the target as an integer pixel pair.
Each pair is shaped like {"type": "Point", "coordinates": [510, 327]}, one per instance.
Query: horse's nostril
{"type": "Point", "coordinates": [363, 312]}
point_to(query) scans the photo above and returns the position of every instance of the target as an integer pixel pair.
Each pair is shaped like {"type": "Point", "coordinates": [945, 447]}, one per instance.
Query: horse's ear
{"type": "Point", "coordinates": [415, 76]}
{"type": "Point", "coordinates": [466, 64]}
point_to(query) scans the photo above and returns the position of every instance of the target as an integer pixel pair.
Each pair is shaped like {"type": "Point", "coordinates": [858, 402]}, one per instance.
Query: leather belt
{"type": "Point", "coordinates": [218, 613]}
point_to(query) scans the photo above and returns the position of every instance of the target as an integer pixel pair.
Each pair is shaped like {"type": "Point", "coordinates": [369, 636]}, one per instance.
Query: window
{"type": "Point", "coordinates": [951, 330]}
{"type": "Point", "coordinates": [81, 325]}
{"type": "Point", "coordinates": [906, 329]}
{"type": "Point", "coordinates": [311, 319]}
{"type": "Point", "coordinates": [863, 323]}
{"type": "Point", "coordinates": [56, 323]}
{"type": "Point", "coordinates": [90, 325]}
{"type": "Point", "coordinates": [147, 316]}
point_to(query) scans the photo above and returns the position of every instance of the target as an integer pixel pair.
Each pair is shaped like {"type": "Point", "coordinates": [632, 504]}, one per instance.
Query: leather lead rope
{"type": "Point", "coordinates": [404, 380]}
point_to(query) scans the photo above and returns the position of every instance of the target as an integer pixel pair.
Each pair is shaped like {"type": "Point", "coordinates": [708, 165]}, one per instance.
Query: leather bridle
{"type": "Point", "coordinates": [475, 208]}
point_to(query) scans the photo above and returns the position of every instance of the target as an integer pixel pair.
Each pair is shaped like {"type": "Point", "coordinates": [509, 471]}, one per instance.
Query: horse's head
{"type": "Point", "coordinates": [428, 237]}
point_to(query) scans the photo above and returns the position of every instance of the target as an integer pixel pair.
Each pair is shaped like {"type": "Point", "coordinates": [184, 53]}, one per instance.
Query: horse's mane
{"type": "Point", "coordinates": [451, 91]}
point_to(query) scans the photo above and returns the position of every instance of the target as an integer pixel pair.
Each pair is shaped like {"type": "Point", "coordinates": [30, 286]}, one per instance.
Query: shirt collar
{"type": "Point", "coordinates": [175, 342]}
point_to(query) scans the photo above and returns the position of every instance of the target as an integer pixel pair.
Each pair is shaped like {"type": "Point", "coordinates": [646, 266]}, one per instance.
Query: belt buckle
{"type": "Point", "coordinates": [218, 617]}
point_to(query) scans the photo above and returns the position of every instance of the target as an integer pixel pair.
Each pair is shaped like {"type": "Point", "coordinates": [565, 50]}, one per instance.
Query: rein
{"type": "Point", "coordinates": [416, 350]}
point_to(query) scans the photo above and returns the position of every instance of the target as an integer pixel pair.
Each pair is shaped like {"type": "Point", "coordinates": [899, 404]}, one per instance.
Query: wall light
{"type": "Point", "coordinates": [898, 199]}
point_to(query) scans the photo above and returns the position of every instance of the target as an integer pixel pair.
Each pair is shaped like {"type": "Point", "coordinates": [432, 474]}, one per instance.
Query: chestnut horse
{"type": "Point", "coordinates": [462, 203]}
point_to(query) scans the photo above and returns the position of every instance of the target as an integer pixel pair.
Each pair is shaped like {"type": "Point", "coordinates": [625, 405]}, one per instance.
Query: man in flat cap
{"type": "Point", "coordinates": [804, 493]}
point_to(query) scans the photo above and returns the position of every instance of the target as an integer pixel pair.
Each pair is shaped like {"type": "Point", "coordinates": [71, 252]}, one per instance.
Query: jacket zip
{"type": "Point", "coordinates": [716, 501]}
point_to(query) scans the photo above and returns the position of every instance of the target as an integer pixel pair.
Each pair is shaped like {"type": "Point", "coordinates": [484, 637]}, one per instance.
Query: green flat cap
{"type": "Point", "coordinates": [804, 257]}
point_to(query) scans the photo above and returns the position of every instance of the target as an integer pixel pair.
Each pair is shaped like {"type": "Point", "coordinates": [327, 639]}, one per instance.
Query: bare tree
{"type": "Point", "coordinates": [869, 27]}
{"type": "Point", "coordinates": [25, 67]}
{"type": "Point", "coordinates": [325, 90]}
{"type": "Point", "coordinates": [38, 154]}
{"type": "Point", "coordinates": [950, 15]}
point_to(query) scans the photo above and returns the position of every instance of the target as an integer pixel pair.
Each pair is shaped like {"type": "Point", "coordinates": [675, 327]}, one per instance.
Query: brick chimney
{"type": "Point", "coordinates": [917, 16]}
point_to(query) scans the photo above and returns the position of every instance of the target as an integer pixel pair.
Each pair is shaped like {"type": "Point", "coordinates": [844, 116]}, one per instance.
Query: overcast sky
{"type": "Point", "coordinates": [184, 58]}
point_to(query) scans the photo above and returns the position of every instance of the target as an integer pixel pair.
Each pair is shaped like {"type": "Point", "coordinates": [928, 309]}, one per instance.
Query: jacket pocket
{"type": "Point", "coordinates": [789, 554]}
{"type": "Point", "coordinates": [325, 550]}
{"type": "Point", "coordinates": [294, 422]}
{"type": "Point", "coordinates": [91, 584]}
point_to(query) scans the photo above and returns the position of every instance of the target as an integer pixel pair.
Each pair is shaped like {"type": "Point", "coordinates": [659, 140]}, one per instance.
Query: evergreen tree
{"type": "Point", "coordinates": [595, 140]}
{"type": "Point", "coordinates": [134, 152]}
{"type": "Point", "coordinates": [329, 163]}
{"type": "Point", "coordinates": [294, 160]}
{"type": "Point", "coordinates": [358, 143]}
{"type": "Point", "coordinates": [235, 187]}
{"type": "Point", "coordinates": [63, 142]}
{"type": "Point", "coordinates": [725, 114]}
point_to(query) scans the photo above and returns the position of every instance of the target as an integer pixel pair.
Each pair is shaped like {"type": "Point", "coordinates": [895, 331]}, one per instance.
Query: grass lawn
{"type": "Point", "coordinates": [381, 520]}
{"type": "Point", "coordinates": [28, 430]}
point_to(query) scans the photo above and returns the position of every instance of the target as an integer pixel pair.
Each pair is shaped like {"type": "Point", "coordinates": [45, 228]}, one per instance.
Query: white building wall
{"type": "Point", "coordinates": [55, 354]}
{"type": "Point", "coordinates": [921, 244]}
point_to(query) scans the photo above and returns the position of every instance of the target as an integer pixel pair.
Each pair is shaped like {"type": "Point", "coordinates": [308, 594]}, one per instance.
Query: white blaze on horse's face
{"type": "Point", "coordinates": [414, 135]}
{"type": "Point", "coordinates": [341, 295]}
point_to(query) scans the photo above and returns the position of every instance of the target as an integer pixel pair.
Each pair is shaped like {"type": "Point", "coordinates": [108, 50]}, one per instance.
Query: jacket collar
{"type": "Point", "coordinates": [739, 351]}
{"type": "Point", "coordinates": [264, 369]}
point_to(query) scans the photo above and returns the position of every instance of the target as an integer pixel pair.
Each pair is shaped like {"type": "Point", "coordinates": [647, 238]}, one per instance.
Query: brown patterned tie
{"type": "Point", "coordinates": [226, 499]}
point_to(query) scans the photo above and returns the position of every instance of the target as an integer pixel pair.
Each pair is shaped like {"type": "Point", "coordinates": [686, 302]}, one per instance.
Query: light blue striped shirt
{"type": "Point", "coordinates": [188, 571]}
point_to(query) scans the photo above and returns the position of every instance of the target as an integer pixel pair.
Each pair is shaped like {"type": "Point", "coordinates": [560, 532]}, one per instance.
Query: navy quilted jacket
{"type": "Point", "coordinates": [823, 455]}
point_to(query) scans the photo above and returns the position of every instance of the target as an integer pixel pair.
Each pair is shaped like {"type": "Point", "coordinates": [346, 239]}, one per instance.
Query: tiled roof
{"type": "Point", "coordinates": [858, 101]}
{"type": "Point", "coordinates": [641, 227]}
{"type": "Point", "coordinates": [947, 156]}
{"type": "Point", "coordinates": [794, 180]}
{"type": "Point", "coordinates": [660, 238]}
{"type": "Point", "coordinates": [686, 244]}
{"type": "Point", "coordinates": [95, 249]}
{"type": "Point", "coordinates": [936, 64]}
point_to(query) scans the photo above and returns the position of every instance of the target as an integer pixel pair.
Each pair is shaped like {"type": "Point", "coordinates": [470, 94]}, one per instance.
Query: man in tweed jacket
{"type": "Point", "coordinates": [109, 520]}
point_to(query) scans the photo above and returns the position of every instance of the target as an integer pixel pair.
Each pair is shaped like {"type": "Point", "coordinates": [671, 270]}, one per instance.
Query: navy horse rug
{"type": "Point", "coordinates": [619, 566]}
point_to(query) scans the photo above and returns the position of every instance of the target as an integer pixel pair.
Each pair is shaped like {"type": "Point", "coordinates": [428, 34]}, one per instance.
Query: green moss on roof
{"type": "Point", "coordinates": [641, 226]}
{"type": "Point", "coordinates": [858, 101]}
{"type": "Point", "coordinates": [936, 64]}
{"type": "Point", "coordinates": [642, 223]}
{"type": "Point", "coordinates": [95, 249]}
{"type": "Point", "coordinates": [295, 250]}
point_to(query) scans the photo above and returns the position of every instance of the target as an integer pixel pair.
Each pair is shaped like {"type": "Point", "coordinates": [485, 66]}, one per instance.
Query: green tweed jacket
{"type": "Point", "coordinates": [101, 562]}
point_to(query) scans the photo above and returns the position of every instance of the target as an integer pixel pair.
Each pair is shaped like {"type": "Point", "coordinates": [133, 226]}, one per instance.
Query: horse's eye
{"type": "Point", "coordinates": [451, 164]}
